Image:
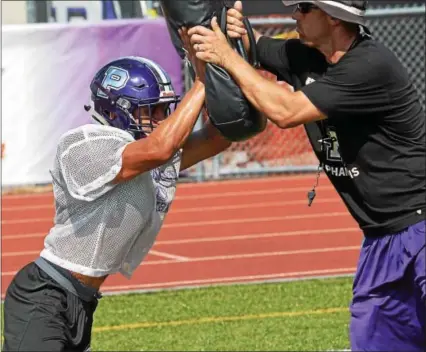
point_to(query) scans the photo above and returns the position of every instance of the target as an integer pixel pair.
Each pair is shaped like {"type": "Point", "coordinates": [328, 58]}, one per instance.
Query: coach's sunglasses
{"type": "Point", "coordinates": [305, 7]}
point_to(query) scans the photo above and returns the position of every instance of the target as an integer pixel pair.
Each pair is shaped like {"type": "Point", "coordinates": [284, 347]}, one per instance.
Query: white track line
{"type": "Point", "coordinates": [210, 222]}
{"type": "Point", "coordinates": [249, 205]}
{"type": "Point", "coordinates": [27, 235]}
{"type": "Point", "coordinates": [253, 205]}
{"type": "Point", "coordinates": [240, 194]}
{"type": "Point", "coordinates": [28, 207]}
{"type": "Point", "coordinates": [207, 184]}
{"type": "Point", "coordinates": [17, 254]}
{"type": "Point", "coordinates": [216, 238]}
{"type": "Point", "coordinates": [26, 221]}
{"type": "Point", "coordinates": [153, 252]}
{"type": "Point", "coordinates": [170, 256]}
{"type": "Point", "coordinates": [265, 180]}
{"type": "Point", "coordinates": [203, 195]}
{"type": "Point", "coordinates": [262, 254]}
{"type": "Point", "coordinates": [251, 220]}
{"type": "Point", "coordinates": [281, 180]}
{"type": "Point", "coordinates": [231, 279]}
{"type": "Point", "coordinates": [218, 257]}
{"type": "Point", "coordinates": [223, 257]}
{"type": "Point", "coordinates": [27, 195]}
{"type": "Point", "coordinates": [260, 236]}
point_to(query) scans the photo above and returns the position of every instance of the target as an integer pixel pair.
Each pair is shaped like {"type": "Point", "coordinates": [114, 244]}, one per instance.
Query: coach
{"type": "Point", "coordinates": [366, 125]}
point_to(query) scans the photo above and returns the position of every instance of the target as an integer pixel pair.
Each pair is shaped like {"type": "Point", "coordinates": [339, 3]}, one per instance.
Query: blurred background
{"type": "Point", "coordinates": [51, 49]}
{"type": "Point", "coordinates": [240, 217]}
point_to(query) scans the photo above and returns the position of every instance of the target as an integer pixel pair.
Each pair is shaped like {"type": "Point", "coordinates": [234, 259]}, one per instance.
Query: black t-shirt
{"type": "Point", "coordinates": [372, 145]}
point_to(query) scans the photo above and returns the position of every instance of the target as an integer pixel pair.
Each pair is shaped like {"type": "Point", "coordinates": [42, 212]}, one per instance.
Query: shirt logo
{"type": "Point", "coordinates": [334, 163]}
{"type": "Point", "coordinates": [309, 80]}
{"type": "Point", "coordinates": [331, 144]}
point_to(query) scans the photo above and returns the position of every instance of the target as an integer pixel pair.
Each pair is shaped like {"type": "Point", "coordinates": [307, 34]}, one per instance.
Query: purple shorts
{"type": "Point", "coordinates": [388, 310]}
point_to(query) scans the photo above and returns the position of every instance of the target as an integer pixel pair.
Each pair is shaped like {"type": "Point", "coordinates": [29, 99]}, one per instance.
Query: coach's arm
{"type": "Point", "coordinates": [283, 107]}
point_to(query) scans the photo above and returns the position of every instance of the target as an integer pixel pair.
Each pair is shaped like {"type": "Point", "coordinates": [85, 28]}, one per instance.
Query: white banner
{"type": "Point", "coordinates": [46, 73]}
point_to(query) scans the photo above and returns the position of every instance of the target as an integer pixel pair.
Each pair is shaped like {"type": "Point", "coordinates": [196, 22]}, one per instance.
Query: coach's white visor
{"type": "Point", "coordinates": [343, 10]}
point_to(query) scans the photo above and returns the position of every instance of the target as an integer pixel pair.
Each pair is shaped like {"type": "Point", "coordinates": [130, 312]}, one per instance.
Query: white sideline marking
{"type": "Point", "coordinates": [232, 279]}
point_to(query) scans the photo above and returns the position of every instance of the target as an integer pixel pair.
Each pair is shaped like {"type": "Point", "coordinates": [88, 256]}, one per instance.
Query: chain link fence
{"type": "Point", "coordinates": [400, 28]}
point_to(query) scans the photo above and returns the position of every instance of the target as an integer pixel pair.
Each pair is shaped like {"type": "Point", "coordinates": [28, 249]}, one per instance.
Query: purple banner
{"type": "Point", "coordinates": [46, 73]}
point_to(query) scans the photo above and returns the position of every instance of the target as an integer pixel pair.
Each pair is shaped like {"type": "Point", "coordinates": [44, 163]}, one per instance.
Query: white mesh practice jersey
{"type": "Point", "coordinates": [102, 228]}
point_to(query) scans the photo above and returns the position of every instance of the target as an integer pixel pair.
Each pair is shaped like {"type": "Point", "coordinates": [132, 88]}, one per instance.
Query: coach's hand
{"type": "Point", "coordinates": [211, 45]}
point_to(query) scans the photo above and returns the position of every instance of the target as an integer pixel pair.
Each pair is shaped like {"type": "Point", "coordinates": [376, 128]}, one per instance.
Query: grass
{"type": "Point", "coordinates": [309, 315]}
{"type": "Point", "coordinates": [298, 316]}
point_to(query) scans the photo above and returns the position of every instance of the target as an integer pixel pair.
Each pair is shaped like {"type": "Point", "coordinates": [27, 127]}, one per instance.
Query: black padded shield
{"type": "Point", "coordinates": [229, 111]}
{"type": "Point", "coordinates": [188, 13]}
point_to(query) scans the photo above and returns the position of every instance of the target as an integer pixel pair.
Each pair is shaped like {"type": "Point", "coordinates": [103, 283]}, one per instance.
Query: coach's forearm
{"type": "Point", "coordinates": [266, 96]}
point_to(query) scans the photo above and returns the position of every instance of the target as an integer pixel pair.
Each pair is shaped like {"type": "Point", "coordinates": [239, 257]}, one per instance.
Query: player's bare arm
{"type": "Point", "coordinates": [148, 153]}
{"type": "Point", "coordinates": [203, 144]}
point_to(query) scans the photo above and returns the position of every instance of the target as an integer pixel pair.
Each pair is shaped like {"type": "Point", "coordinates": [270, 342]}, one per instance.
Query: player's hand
{"type": "Point", "coordinates": [198, 65]}
{"type": "Point", "coordinates": [234, 21]}
{"type": "Point", "coordinates": [235, 27]}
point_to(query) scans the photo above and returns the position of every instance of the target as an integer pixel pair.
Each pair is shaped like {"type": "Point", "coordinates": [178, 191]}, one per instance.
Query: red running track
{"type": "Point", "coordinates": [216, 232]}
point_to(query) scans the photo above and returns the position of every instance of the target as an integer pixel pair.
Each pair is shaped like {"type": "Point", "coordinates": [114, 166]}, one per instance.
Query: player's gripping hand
{"type": "Point", "coordinates": [198, 65]}
{"type": "Point", "coordinates": [235, 27]}
{"type": "Point", "coordinates": [234, 21]}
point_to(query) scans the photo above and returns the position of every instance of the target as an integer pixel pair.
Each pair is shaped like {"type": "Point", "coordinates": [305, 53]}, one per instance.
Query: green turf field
{"type": "Point", "coordinates": [302, 315]}
{"type": "Point", "coordinates": [309, 315]}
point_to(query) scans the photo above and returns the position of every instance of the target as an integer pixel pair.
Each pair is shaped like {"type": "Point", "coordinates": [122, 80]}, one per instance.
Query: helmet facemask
{"type": "Point", "coordinates": [146, 117]}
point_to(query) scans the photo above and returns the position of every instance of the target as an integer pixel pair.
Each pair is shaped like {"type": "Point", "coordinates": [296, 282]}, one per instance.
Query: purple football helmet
{"type": "Point", "coordinates": [125, 84]}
